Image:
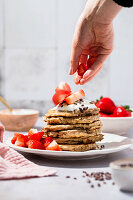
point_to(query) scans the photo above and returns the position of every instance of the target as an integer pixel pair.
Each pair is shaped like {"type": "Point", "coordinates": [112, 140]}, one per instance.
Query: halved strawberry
{"type": "Point", "coordinates": [63, 86]}
{"type": "Point", "coordinates": [15, 138]}
{"type": "Point", "coordinates": [59, 97]}
{"type": "Point", "coordinates": [53, 146]}
{"type": "Point", "coordinates": [32, 131]}
{"type": "Point", "coordinates": [20, 141]}
{"type": "Point", "coordinates": [36, 136]}
{"type": "Point", "coordinates": [47, 141]}
{"type": "Point", "coordinates": [34, 144]}
{"type": "Point", "coordinates": [82, 69]}
{"type": "Point", "coordinates": [75, 96]}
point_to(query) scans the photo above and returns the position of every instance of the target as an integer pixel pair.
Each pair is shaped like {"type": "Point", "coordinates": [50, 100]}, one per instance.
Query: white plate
{"type": "Point", "coordinates": [113, 143]}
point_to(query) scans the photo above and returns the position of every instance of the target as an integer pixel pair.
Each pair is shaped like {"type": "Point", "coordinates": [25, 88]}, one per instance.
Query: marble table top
{"type": "Point", "coordinates": [61, 188]}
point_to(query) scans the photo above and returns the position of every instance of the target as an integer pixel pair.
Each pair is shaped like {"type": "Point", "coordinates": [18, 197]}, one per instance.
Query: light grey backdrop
{"type": "Point", "coordinates": [35, 45]}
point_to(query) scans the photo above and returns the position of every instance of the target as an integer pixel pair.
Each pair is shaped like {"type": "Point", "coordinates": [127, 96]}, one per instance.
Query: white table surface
{"type": "Point", "coordinates": [61, 188]}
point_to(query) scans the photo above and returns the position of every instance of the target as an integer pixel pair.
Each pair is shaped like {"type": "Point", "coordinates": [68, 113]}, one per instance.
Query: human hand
{"type": "Point", "coordinates": [93, 37]}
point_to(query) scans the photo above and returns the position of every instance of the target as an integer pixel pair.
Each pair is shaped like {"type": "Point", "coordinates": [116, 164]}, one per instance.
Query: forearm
{"type": "Point", "coordinates": [102, 11]}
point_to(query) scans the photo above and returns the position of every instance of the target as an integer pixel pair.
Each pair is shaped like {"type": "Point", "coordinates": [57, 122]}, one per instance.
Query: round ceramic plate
{"type": "Point", "coordinates": [112, 143]}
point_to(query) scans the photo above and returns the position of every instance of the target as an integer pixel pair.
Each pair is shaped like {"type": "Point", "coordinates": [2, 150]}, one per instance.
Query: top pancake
{"type": "Point", "coordinates": [57, 113]}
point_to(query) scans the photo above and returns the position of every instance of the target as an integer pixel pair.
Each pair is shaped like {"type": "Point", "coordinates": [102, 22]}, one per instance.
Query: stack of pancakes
{"type": "Point", "coordinates": [76, 130]}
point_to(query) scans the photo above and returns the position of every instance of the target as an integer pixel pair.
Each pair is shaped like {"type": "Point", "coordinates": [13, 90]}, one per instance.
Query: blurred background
{"type": "Point", "coordinates": [35, 46]}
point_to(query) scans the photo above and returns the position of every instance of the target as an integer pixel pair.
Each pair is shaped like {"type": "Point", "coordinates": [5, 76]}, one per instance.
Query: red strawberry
{"type": "Point", "coordinates": [53, 146]}
{"type": "Point", "coordinates": [20, 141]}
{"type": "Point", "coordinates": [105, 115]}
{"type": "Point", "coordinates": [74, 97]}
{"type": "Point", "coordinates": [34, 144]}
{"type": "Point", "coordinates": [59, 97]}
{"type": "Point", "coordinates": [32, 131]}
{"type": "Point", "coordinates": [82, 69]}
{"type": "Point", "coordinates": [63, 86]}
{"type": "Point", "coordinates": [47, 141]}
{"type": "Point", "coordinates": [15, 138]}
{"type": "Point", "coordinates": [36, 136]}
{"type": "Point", "coordinates": [106, 105]}
{"type": "Point", "coordinates": [121, 112]}
{"type": "Point", "coordinates": [90, 61]}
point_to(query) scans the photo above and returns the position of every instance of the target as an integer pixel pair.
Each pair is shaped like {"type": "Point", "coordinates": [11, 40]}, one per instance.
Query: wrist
{"type": "Point", "coordinates": [101, 11]}
{"type": "Point", "coordinates": [107, 11]}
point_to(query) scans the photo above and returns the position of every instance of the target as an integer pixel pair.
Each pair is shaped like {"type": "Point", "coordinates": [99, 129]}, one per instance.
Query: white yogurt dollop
{"type": "Point", "coordinates": [75, 106]}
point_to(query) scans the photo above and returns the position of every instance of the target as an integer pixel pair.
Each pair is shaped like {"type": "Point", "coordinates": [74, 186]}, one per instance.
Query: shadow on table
{"type": "Point", "coordinates": [83, 163]}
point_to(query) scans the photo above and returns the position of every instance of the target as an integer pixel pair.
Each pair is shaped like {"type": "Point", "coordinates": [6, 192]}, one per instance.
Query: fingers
{"type": "Point", "coordinates": [75, 58]}
{"type": "Point", "coordinates": [82, 81]}
{"type": "Point", "coordinates": [94, 69]}
{"type": "Point", "coordinates": [77, 78]}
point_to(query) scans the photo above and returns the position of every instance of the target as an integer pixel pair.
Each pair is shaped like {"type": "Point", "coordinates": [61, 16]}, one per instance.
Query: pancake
{"type": "Point", "coordinates": [57, 113]}
{"type": "Point", "coordinates": [58, 127]}
{"type": "Point", "coordinates": [80, 147]}
{"type": "Point", "coordinates": [71, 120]}
{"type": "Point", "coordinates": [73, 133]}
{"type": "Point", "coordinates": [90, 139]}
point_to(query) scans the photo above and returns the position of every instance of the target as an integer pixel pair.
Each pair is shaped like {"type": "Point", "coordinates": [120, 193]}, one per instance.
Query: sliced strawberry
{"type": "Point", "coordinates": [53, 146]}
{"type": "Point", "coordinates": [34, 144]}
{"type": "Point", "coordinates": [82, 69]}
{"type": "Point", "coordinates": [20, 141]}
{"type": "Point", "coordinates": [47, 141]}
{"type": "Point", "coordinates": [63, 86]}
{"type": "Point", "coordinates": [32, 131]}
{"type": "Point", "coordinates": [36, 136]}
{"type": "Point", "coordinates": [59, 97]}
{"type": "Point", "coordinates": [75, 96]}
{"type": "Point", "coordinates": [15, 138]}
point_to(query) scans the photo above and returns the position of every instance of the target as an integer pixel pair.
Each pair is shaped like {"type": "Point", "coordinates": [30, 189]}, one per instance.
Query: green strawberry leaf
{"type": "Point", "coordinates": [127, 107]}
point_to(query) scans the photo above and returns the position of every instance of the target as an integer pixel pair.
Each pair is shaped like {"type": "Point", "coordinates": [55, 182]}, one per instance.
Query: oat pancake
{"type": "Point", "coordinates": [80, 147]}
{"type": "Point", "coordinates": [71, 120]}
{"type": "Point", "coordinates": [72, 133]}
{"type": "Point", "coordinates": [57, 113]}
{"type": "Point", "coordinates": [90, 139]}
{"type": "Point", "coordinates": [91, 126]}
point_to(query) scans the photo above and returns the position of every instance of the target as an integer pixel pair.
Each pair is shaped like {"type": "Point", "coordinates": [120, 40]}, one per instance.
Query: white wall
{"type": "Point", "coordinates": [35, 45]}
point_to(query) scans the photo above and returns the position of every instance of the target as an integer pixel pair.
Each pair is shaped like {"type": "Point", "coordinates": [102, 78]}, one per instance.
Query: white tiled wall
{"type": "Point", "coordinates": [35, 46]}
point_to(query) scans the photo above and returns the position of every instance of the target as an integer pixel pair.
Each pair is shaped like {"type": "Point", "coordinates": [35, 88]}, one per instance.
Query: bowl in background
{"type": "Point", "coordinates": [118, 125]}
{"type": "Point", "coordinates": [122, 172]}
{"type": "Point", "coordinates": [19, 119]}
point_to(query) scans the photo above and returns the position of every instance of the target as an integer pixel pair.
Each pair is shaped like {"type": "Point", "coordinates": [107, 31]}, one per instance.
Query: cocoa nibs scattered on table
{"type": "Point", "coordinates": [67, 176]}
{"type": "Point", "coordinates": [92, 186]}
{"type": "Point", "coordinates": [88, 181]}
{"type": "Point", "coordinates": [97, 176]}
{"type": "Point", "coordinates": [99, 185]}
{"type": "Point", "coordinates": [126, 165]}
